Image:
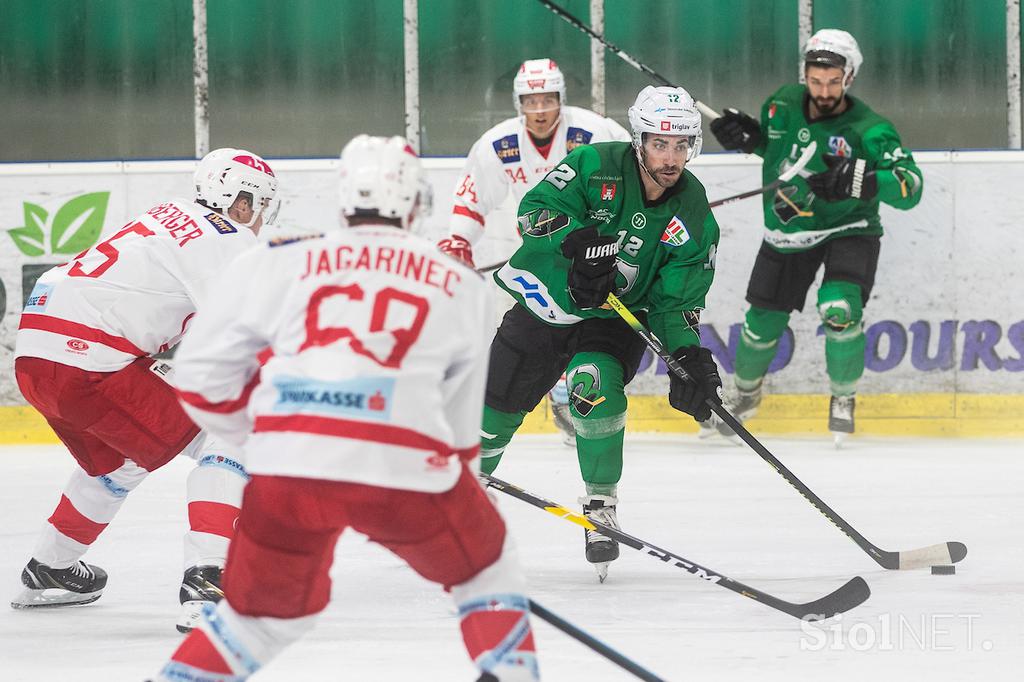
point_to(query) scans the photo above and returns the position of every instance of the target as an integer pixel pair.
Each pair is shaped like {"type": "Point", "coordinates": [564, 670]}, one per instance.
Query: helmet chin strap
{"type": "Point", "coordinates": [643, 166]}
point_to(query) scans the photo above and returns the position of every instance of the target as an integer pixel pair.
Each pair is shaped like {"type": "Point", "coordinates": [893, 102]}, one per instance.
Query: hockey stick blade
{"type": "Point", "coordinates": [941, 554]}
{"type": "Point", "coordinates": [798, 166]}
{"type": "Point", "coordinates": [852, 594]}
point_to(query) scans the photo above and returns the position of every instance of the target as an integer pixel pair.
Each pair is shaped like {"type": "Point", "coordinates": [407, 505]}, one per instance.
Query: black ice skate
{"type": "Point", "coordinates": [201, 585]}
{"type": "Point", "coordinates": [743, 405]}
{"type": "Point", "coordinates": [563, 420]}
{"type": "Point", "coordinates": [601, 550]}
{"type": "Point", "coordinates": [80, 583]}
{"type": "Point", "coordinates": [840, 417]}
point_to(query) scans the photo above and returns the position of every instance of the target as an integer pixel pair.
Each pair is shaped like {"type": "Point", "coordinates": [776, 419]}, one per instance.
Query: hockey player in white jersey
{"type": "Point", "coordinates": [367, 417]}
{"type": "Point", "coordinates": [83, 358]}
{"type": "Point", "coordinates": [515, 155]}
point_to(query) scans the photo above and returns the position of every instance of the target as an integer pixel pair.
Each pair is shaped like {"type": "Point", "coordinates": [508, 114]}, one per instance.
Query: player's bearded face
{"type": "Point", "coordinates": [665, 157]}
{"type": "Point", "coordinates": [825, 86]}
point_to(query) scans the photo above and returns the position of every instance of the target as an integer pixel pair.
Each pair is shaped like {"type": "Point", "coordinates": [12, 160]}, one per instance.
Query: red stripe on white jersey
{"type": "Point", "coordinates": [76, 330]}
{"type": "Point", "coordinates": [469, 213]}
{"type": "Point", "coordinates": [222, 406]}
{"type": "Point", "coordinates": [387, 434]}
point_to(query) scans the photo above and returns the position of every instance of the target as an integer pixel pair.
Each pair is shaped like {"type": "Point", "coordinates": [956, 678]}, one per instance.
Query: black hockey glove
{"type": "Point", "coordinates": [736, 130]}
{"type": "Point", "coordinates": [846, 178]}
{"type": "Point", "coordinates": [592, 273]}
{"type": "Point", "coordinates": [689, 396]}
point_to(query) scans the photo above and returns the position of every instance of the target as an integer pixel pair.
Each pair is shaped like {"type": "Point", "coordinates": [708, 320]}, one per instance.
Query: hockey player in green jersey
{"type": "Point", "coordinates": [828, 217]}
{"type": "Point", "coordinates": [613, 217]}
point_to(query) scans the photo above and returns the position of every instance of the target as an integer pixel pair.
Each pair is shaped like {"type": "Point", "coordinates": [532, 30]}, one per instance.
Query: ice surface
{"type": "Point", "coordinates": [716, 504]}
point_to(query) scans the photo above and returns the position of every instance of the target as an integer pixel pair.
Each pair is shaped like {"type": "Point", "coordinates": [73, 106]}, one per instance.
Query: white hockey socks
{"type": "Point", "coordinates": [214, 491]}
{"type": "Point", "coordinates": [495, 620]}
{"type": "Point", "coordinates": [229, 647]}
{"type": "Point", "coordinates": [86, 506]}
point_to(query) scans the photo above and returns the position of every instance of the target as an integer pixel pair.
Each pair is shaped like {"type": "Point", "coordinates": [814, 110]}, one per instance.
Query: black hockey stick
{"type": "Point", "coordinates": [638, 65]}
{"type": "Point", "coordinates": [593, 643]}
{"type": "Point", "coordinates": [941, 554]}
{"type": "Point", "coordinates": [797, 166]}
{"type": "Point", "coordinates": [843, 599]}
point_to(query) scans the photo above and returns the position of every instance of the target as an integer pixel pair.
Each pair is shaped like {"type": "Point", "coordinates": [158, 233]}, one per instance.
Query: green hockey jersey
{"type": "Point", "coordinates": [667, 248]}
{"type": "Point", "coordinates": [795, 219]}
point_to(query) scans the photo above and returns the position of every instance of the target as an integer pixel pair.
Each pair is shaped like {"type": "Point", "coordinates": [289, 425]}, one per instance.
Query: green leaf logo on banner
{"type": "Point", "coordinates": [76, 226]}
{"type": "Point", "coordinates": [30, 239]}
{"type": "Point", "coordinates": [78, 223]}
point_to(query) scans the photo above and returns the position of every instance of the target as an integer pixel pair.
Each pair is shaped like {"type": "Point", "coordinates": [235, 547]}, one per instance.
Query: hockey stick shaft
{"type": "Point", "coordinates": [593, 643]}
{"type": "Point", "coordinates": [793, 170]}
{"type": "Point", "coordinates": [851, 594]}
{"type": "Point", "coordinates": [621, 54]}
{"type": "Point", "coordinates": [951, 553]}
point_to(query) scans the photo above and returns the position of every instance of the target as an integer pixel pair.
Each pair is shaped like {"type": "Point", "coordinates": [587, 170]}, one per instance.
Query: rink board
{"type": "Point", "coordinates": [945, 329]}
{"type": "Point", "coordinates": [921, 414]}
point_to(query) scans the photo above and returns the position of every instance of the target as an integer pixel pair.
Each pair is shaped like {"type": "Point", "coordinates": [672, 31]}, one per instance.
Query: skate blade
{"type": "Point", "coordinates": [51, 598]}
{"type": "Point", "coordinates": [602, 570]}
{"type": "Point", "coordinates": [191, 615]}
{"type": "Point", "coordinates": [838, 439]}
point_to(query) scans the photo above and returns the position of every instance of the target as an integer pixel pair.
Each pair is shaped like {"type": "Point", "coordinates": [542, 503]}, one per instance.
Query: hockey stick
{"type": "Point", "coordinates": [853, 593]}
{"type": "Point", "coordinates": [940, 554]}
{"type": "Point", "coordinates": [639, 66]}
{"type": "Point", "coordinates": [593, 643]}
{"type": "Point", "coordinates": [791, 172]}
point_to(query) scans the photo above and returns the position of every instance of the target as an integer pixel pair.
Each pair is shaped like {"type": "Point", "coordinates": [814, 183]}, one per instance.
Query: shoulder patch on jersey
{"type": "Point", "coordinates": [575, 137]}
{"type": "Point", "coordinates": [282, 241]}
{"type": "Point", "coordinates": [507, 148]}
{"type": "Point", "coordinates": [220, 223]}
{"type": "Point", "coordinates": [675, 233]}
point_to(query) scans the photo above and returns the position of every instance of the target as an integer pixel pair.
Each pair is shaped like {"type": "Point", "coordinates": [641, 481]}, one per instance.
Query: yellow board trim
{"type": "Point", "coordinates": [887, 414]}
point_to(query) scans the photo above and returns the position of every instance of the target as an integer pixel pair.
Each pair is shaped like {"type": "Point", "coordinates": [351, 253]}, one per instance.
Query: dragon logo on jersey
{"type": "Point", "coordinates": [675, 233]}
{"type": "Point", "coordinates": [541, 222]}
{"type": "Point", "coordinates": [788, 204]}
{"type": "Point", "coordinates": [626, 277]}
{"type": "Point", "coordinates": [73, 228]}
{"type": "Point", "coordinates": [507, 148]}
{"type": "Point", "coordinates": [839, 146]}
{"type": "Point", "coordinates": [584, 388]}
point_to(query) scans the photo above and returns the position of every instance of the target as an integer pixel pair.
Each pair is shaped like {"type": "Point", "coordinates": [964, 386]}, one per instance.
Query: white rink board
{"type": "Point", "coordinates": [948, 269]}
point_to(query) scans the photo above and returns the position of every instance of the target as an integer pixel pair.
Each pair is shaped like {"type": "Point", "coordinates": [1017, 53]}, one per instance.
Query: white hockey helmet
{"type": "Point", "coordinates": [832, 47]}
{"type": "Point", "coordinates": [666, 110]}
{"type": "Point", "coordinates": [538, 76]}
{"type": "Point", "coordinates": [226, 172]}
{"type": "Point", "coordinates": [381, 176]}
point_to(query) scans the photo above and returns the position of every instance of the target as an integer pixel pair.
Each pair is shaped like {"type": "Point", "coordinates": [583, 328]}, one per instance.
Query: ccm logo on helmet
{"type": "Point", "coordinates": [601, 251]}
{"type": "Point", "coordinates": [536, 83]}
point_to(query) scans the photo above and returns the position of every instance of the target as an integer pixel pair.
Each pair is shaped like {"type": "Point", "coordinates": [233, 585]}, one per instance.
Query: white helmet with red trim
{"type": "Point", "coordinates": [832, 47]}
{"type": "Point", "coordinates": [667, 111]}
{"type": "Point", "coordinates": [381, 176]}
{"type": "Point", "coordinates": [225, 173]}
{"type": "Point", "coordinates": [538, 76]}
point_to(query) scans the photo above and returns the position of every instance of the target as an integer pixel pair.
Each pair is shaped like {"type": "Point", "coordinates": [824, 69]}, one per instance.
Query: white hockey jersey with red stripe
{"type": "Point", "coordinates": [133, 294]}
{"type": "Point", "coordinates": [380, 348]}
{"type": "Point", "coordinates": [505, 159]}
